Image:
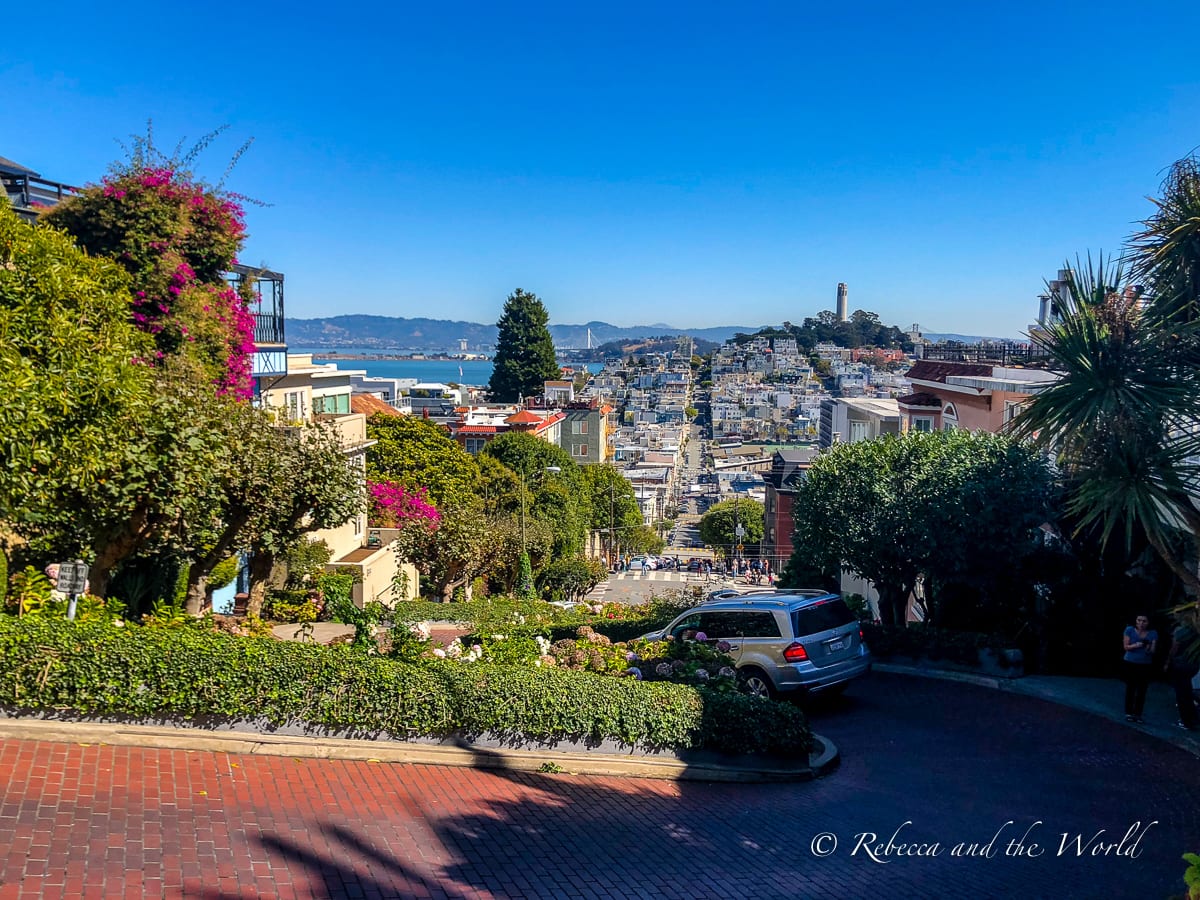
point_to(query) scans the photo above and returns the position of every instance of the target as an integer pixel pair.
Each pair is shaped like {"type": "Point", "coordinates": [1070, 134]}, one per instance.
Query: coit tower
{"type": "Point", "coordinates": [843, 303]}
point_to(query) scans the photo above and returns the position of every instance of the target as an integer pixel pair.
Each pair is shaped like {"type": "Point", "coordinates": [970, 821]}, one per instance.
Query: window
{"type": "Point", "coordinates": [949, 417]}
{"type": "Point", "coordinates": [922, 423]}
{"type": "Point", "coordinates": [333, 404]}
{"type": "Point", "coordinates": [719, 625]}
{"type": "Point", "coordinates": [475, 445]}
{"type": "Point", "coordinates": [821, 617]}
{"type": "Point", "coordinates": [296, 408]}
{"type": "Point", "coordinates": [858, 431]}
{"type": "Point", "coordinates": [579, 426]}
{"type": "Point", "coordinates": [581, 449]}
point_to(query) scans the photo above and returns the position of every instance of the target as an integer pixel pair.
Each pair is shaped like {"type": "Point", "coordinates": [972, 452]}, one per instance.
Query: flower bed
{"type": "Point", "coordinates": [192, 672]}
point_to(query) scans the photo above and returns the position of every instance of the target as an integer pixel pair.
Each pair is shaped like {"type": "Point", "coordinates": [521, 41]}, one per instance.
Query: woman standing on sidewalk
{"type": "Point", "coordinates": [1139, 643]}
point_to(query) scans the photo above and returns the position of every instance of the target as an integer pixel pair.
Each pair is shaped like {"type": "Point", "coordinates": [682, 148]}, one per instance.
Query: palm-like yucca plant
{"type": "Point", "coordinates": [1165, 255]}
{"type": "Point", "coordinates": [1122, 420]}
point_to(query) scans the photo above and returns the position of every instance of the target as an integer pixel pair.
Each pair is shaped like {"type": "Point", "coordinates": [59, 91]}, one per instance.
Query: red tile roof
{"type": "Point", "coordinates": [524, 417]}
{"type": "Point", "coordinates": [477, 429]}
{"type": "Point", "coordinates": [369, 405]}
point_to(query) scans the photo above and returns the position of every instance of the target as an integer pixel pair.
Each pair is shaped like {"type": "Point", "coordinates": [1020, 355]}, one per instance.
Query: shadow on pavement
{"type": "Point", "coordinates": [340, 879]}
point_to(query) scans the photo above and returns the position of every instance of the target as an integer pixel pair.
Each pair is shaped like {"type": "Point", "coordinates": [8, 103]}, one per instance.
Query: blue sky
{"type": "Point", "coordinates": [695, 164]}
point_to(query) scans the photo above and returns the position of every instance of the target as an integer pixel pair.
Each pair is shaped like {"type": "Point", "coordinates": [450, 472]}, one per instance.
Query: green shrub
{"type": "Point", "coordinates": [31, 593]}
{"type": "Point", "coordinates": [306, 561]}
{"type": "Point", "coordinates": [143, 672]}
{"type": "Point", "coordinates": [291, 606]}
{"type": "Point", "coordinates": [335, 590]}
{"type": "Point", "coordinates": [3, 577]}
{"type": "Point", "coordinates": [94, 668]}
{"type": "Point", "coordinates": [570, 578]}
{"type": "Point", "coordinates": [1191, 875]}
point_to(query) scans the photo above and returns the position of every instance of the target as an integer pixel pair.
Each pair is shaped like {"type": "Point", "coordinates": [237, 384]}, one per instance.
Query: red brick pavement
{"type": "Point", "coordinates": [958, 761]}
{"type": "Point", "coordinates": [100, 821]}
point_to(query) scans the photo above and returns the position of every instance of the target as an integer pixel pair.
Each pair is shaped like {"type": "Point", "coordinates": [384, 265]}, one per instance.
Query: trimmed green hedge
{"type": "Point", "coordinates": [149, 672]}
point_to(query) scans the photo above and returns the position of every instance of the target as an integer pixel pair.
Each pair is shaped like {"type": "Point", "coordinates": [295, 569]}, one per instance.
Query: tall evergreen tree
{"type": "Point", "coordinates": [524, 350]}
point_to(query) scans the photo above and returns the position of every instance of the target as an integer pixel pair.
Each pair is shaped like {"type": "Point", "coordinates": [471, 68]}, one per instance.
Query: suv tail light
{"type": "Point", "coordinates": [795, 652]}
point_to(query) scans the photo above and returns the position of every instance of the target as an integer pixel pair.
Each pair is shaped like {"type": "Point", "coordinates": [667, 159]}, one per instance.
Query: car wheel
{"type": "Point", "coordinates": [756, 683]}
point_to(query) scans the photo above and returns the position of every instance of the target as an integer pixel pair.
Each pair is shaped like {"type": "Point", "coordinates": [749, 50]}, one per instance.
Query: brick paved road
{"type": "Point", "coordinates": [956, 760]}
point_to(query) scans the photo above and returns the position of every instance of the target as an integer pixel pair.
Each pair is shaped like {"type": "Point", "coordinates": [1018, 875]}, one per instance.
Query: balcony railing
{"type": "Point", "coordinates": [28, 193]}
{"type": "Point", "coordinates": [1003, 354]}
{"type": "Point", "coordinates": [267, 303]}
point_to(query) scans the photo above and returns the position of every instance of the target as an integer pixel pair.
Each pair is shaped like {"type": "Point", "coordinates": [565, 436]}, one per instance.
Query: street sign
{"type": "Point", "coordinates": [72, 577]}
{"type": "Point", "coordinates": [740, 531]}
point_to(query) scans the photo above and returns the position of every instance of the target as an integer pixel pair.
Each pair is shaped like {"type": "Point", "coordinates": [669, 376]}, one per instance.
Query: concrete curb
{"type": "Point", "coordinates": [822, 760]}
{"type": "Point", "coordinates": [1016, 686]}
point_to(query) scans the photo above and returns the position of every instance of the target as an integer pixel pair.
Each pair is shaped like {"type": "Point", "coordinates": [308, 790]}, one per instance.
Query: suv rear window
{"type": "Point", "coordinates": [821, 617]}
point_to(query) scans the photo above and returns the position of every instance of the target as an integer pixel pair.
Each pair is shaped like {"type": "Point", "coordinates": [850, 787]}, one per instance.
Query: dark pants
{"type": "Point", "coordinates": [1181, 680]}
{"type": "Point", "coordinates": [1137, 681]}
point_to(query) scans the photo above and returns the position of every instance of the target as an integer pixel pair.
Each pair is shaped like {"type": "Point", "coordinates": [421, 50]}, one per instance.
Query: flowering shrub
{"type": "Point", "coordinates": [176, 237]}
{"type": "Point", "coordinates": [683, 662]}
{"type": "Point", "coordinates": [394, 507]}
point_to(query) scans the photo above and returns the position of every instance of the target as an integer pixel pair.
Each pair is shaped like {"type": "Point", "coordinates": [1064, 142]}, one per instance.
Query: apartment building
{"type": "Point", "coordinates": [311, 393]}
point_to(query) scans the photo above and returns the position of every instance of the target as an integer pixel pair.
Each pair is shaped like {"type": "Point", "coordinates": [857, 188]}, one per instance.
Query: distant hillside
{"type": "Point", "coordinates": [660, 344]}
{"type": "Point", "coordinates": [967, 338]}
{"type": "Point", "coordinates": [388, 332]}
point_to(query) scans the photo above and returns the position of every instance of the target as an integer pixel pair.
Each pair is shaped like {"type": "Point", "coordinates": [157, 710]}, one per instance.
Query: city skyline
{"type": "Point", "coordinates": [684, 165]}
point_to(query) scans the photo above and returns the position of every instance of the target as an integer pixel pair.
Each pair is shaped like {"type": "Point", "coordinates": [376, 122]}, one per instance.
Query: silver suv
{"type": "Point", "coordinates": [781, 641]}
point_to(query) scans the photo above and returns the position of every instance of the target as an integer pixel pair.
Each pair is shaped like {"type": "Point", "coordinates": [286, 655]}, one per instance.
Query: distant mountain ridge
{"type": "Point", "coordinates": [387, 332]}
{"type": "Point", "coordinates": [392, 332]}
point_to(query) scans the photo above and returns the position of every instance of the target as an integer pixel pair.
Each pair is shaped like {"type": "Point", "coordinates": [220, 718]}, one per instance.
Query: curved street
{"type": "Point", "coordinates": [960, 763]}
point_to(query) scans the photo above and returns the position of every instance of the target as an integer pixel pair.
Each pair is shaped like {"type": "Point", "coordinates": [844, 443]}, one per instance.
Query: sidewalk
{"type": "Point", "coordinates": [1104, 697]}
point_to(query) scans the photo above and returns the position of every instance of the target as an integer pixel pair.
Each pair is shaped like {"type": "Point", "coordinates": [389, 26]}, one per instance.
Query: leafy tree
{"type": "Point", "coordinates": [643, 539]}
{"type": "Point", "coordinates": [614, 508]}
{"type": "Point", "coordinates": [954, 507]}
{"type": "Point", "coordinates": [418, 455]}
{"type": "Point", "coordinates": [525, 356]}
{"type": "Point", "coordinates": [93, 447]}
{"type": "Point", "coordinates": [558, 498]}
{"type": "Point", "coordinates": [268, 488]}
{"type": "Point", "coordinates": [455, 552]}
{"type": "Point", "coordinates": [718, 526]}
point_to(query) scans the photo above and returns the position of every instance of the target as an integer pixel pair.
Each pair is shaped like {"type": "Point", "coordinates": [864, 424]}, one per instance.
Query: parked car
{"type": "Point", "coordinates": [782, 642]}
{"type": "Point", "coordinates": [635, 564]}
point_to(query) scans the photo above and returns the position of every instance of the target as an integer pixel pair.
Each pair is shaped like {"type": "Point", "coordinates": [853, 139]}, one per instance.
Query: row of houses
{"type": "Point", "coordinates": [945, 395]}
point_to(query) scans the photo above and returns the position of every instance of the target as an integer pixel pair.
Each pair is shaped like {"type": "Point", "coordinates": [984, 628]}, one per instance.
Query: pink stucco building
{"type": "Point", "coordinates": [972, 396]}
